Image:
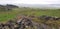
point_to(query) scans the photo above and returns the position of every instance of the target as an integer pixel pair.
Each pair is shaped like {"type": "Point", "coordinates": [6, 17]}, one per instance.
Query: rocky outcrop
{"type": "Point", "coordinates": [26, 23]}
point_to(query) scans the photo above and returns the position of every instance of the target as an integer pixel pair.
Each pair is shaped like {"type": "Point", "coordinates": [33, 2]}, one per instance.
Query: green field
{"type": "Point", "coordinates": [4, 16]}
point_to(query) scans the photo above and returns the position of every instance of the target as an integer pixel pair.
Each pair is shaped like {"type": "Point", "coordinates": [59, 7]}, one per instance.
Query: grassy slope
{"type": "Point", "coordinates": [4, 16]}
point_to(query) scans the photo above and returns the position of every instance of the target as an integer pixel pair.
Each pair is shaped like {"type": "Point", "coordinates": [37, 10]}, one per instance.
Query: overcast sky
{"type": "Point", "coordinates": [29, 1]}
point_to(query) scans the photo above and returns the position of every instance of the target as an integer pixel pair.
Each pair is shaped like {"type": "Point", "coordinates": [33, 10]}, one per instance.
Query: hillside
{"type": "Point", "coordinates": [40, 18]}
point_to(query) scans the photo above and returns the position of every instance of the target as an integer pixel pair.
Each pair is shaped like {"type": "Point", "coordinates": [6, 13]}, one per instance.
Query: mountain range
{"type": "Point", "coordinates": [40, 5]}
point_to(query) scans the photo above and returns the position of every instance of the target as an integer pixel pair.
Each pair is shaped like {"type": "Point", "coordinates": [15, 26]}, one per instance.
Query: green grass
{"type": "Point", "coordinates": [47, 12]}
{"type": "Point", "coordinates": [4, 16]}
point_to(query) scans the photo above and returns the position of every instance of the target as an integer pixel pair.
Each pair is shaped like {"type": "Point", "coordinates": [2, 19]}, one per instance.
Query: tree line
{"type": "Point", "coordinates": [7, 7]}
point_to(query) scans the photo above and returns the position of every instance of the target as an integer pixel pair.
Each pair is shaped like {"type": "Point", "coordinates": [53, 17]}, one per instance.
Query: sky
{"type": "Point", "coordinates": [29, 1]}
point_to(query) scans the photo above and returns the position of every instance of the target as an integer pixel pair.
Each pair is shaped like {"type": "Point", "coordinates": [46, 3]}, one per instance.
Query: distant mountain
{"type": "Point", "coordinates": [40, 5]}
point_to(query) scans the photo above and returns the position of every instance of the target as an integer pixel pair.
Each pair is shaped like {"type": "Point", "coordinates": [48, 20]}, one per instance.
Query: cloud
{"type": "Point", "coordinates": [30, 1]}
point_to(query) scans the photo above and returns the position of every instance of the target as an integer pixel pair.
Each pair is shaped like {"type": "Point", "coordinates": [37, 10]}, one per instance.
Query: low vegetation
{"type": "Point", "coordinates": [8, 15]}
